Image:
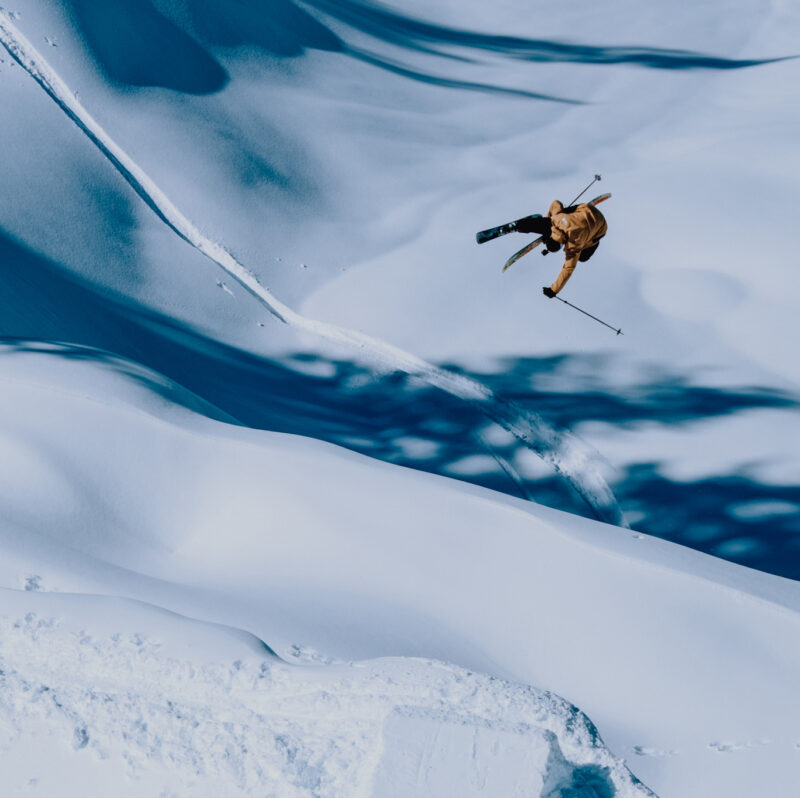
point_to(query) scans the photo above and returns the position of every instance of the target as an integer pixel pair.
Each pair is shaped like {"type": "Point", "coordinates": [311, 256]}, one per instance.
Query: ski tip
{"type": "Point", "coordinates": [510, 262]}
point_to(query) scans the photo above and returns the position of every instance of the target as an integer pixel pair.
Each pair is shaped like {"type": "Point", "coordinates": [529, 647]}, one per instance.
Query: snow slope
{"type": "Point", "coordinates": [311, 548]}
{"type": "Point", "coordinates": [165, 705]}
{"type": "Point", "coordinates": [346, 152]}
{"type": "Point", "coordinates": [572, 459]}
{"type": "Point", "coordinates": [135, 700]}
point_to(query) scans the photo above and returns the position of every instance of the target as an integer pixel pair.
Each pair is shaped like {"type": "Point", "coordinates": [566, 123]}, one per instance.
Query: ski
{"type": "Point", "coordinates": [524, 251]}
{"type": "Point", "coordinates": [495, 232]}
{"type": "Point", "coordinates": [533, 244]}
{"type": "Point", "coordinates": [599, 199]}
{"type": "Point", "coordinates": [504, 229]}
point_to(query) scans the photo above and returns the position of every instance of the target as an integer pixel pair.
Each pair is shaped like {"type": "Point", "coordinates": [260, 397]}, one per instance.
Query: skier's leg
{"type": "Point", "coordinates": [534, 224]}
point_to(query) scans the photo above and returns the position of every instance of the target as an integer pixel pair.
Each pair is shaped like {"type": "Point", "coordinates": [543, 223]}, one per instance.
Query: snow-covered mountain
{"type": "Point", "coordinates": [241, 290]}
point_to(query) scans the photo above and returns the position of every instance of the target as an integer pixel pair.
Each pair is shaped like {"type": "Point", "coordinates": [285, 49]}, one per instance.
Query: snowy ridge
{"type": "Point", "coordinates": [573, 459]}
{"type": "Point", "coordinates": [255, 725]}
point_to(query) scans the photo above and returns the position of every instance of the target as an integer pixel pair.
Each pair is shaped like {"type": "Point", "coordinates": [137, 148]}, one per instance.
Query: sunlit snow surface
{"type": "Point", "coordinates": [345, 153]}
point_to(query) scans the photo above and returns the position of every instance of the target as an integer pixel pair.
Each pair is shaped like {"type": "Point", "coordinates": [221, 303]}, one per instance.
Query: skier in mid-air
{"type": "Point", "coordinates": [578, 229]}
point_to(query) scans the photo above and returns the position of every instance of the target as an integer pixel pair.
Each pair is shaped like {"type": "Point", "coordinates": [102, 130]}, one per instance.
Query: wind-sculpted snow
{"type": "Point", "coordinates": [406, 31]}
{"type": "Point", "coordinates": [575, 461]}
{"type": "Point", "coordinates": [242, 723]}
{"type": "Point", "coordinates": [163, 47]}
{"type": "Point", "coordinates": [437, 80]}
{"type": "Point", "coordinates": [154, 51]}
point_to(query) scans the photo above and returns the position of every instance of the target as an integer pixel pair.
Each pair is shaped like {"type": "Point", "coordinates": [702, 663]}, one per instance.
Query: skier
{"type": "Point", "coordinates": [578, 229]}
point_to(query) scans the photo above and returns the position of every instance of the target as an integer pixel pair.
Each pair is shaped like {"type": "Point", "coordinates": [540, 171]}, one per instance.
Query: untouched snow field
{"type": "Point", "coordinates": [217, 577]}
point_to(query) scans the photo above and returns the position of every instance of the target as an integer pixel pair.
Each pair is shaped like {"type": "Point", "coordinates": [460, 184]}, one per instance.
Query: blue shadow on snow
{"type": "Point", "coordinates": [398, 419]}
{"type": "Point", "coordinates": [136, 45]}
{"type": "Point", "coordinates": [139, 44]}
{"type": "Point", "coordinates": [389, 26]}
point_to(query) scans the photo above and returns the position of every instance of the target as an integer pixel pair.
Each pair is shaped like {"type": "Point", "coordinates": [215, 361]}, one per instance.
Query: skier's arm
{"type": "Point", "coordinates": [566, 272]}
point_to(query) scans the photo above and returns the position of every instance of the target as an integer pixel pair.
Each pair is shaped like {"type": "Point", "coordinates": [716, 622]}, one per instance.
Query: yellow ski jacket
{"type": "Point", "coordinates": [576, 229]}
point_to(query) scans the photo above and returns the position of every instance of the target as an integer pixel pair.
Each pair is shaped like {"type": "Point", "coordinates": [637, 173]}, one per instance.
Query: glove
{"type": "Point", "coordinates": [548, 292]}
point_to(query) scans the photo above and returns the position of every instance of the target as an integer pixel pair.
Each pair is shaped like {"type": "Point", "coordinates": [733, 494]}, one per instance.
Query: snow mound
{"type": "Point", "coordinates": [216, 713]}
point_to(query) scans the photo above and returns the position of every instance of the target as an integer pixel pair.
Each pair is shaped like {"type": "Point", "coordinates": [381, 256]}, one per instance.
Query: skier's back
{"type": "Point", "coordinates": [577, 228]}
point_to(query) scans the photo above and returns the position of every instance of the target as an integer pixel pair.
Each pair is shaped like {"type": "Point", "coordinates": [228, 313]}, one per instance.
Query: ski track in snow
{"type": "Point", "coordinates": [571, 458]}
{"type": "Point", "coordinates": [261, 726]}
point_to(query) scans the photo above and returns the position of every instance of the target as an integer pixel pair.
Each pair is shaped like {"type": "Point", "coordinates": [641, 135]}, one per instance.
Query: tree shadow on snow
{"type": "Point", "coordinates": [399, 419]}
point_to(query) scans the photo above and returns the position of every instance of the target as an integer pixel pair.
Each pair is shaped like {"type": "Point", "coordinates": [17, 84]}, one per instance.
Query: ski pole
{"type": "Point", "coordinates": [618, 332]}
{"type": "Point", "coordinates": [596, 179]}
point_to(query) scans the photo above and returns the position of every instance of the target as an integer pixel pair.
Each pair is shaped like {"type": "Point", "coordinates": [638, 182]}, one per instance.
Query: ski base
{"type": "Point", "coordinates": [524, 251]}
